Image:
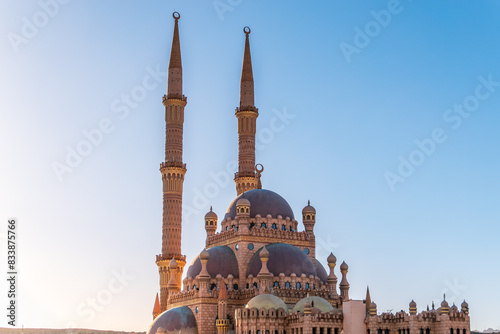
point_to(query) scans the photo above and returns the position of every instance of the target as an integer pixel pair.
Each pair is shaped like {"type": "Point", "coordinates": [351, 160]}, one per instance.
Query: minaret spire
{"type": "Point", "coordinates": [172, 171]}
{"type": "Point", "coordinates": [246, 85]}
{"type": "Point", "coordinates": [247, 114]}
{"type": "Point", "coordinates": [175, 66]}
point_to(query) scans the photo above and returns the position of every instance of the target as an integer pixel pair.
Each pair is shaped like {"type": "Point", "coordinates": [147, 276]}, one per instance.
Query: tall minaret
{"type": "Point", "coordinates": [247, 114]}
{"type": "Point", "coordinates": [172, 174]}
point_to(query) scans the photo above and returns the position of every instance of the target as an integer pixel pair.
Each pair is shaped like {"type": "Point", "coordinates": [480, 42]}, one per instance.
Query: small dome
{"type": "Point", "coordinates": [266, 301]}
{"type": "Point", "coordinates": [242, 201]}
{"type": "Point", "coordinates": [264, 254]}
{"type": "Point", "coordinates": [444, 304]}
{"type": "Point", "coordinates": [308, 209]}
{"type": "Point", "coordinates": [344, 266]}
{"type": "Point", "coordinates": [204, 255]}
{"type": "Point", "coordinates": [262, 202]}
{"type": "Point", "coordinates": [283, 258]}
{"type": "Point", "coordinates": [373, 306]}
{"type": "Point", "coordinates": [317, 302]}
{"type": "Point", "coordinates": [173, 264]}
{"type": "Point", "coordinates": [464, 304]}
{"type": "Point", "coordinates": [413, 304]}
{"type": "Point", "coordinates": [320, 270]}
{"type": "Point", "coordinates": [454, 307]}
{"type": "Point", "coordinates": [331, 258]}
{"type": "Point", "coordinates": [221, 261]}
{"type": "Point", "coordinates": [210, 215]}
{"type": "Point", "coordinates": [176, 320]}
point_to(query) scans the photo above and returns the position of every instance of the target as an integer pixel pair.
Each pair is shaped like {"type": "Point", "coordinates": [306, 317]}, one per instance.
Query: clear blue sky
{"type": "Point", "coordinates": [361, 93]}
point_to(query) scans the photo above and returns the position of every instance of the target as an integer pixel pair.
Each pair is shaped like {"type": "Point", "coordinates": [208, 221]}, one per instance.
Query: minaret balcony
{"type": "Point", "coordinates": [173, 96]}
{"type": "Point", "coordinates": [247, 108]}
{"type": "Point", "coordinates": [172, 164]}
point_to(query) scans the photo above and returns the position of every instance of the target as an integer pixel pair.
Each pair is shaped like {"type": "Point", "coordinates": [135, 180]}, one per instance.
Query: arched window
{"type": "Point", "coordinates": [276, 284]}
{"type": "Point", "coordinates": [307, 286]}
{"type": "Point", "coordinates": [283, 227]}
{"type": "Point", "coordinates": [263, 225]}
{"type": "Point", "coordinates": [298, 285]}
{"type": "Point", "coordinates": [235, 286]}
{"type": "Point", "coordinates": [287, 285]}
{"type": "Point", "coordinates": [274, 226]}
{"type": "Point", "coordinates": [248, 286]}
{"type": "Point", "coordinates": [213, 286]}
{"type": "Point", "coordinates": [255, 285]}
{"type": "Point", "coordinates": [194, 287]}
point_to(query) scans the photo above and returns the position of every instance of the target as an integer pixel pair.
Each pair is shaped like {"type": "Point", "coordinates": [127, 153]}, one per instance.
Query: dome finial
{"type": "Point", "coordinates": [176, 16]}
{"type": "Point", "coordinates": [210, 208]}
{"type": "Point", "coordinates": [247, 30]}
{"type": "Point", "coordinates": [259, 171]}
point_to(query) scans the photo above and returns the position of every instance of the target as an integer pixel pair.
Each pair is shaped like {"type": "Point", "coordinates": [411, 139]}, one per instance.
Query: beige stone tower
{"type": "Point", "coordinates": [246, 178]}
{"type": "Point", "coordinates": [172, 173]}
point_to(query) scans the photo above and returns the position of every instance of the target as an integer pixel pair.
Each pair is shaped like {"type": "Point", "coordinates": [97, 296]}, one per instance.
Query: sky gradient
{"type": "Point", "coordinates": [384, 114]}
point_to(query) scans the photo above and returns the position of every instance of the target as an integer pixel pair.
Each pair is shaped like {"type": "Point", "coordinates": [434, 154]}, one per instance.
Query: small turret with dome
{"type": "Point", "coordinates": [309, 218]}
{"type": "Point", "coordinates": [243, 207]}
{"type": "Point", "coordinates": [210, 222]}
{"type": "Point", "coordinates": [413, 308]}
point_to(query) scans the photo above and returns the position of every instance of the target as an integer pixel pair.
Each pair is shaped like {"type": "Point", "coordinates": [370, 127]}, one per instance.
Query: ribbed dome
{"type": "Point", "coordinates": [267, 301]}
{"type": "Point", "coordinates": [283, 258]}
{"type": "Point", "coordinates": [308, 208]}
{"type": "Point", "coordinates": [317, 302]}
{"type": "Point", "coordinates": [210, 214]}
{"type": "Point", "coordinates": [221, 261]}
{"type": "Point", "coordinates": [263, 202]}
{"type": "Point", "coordinates": [176, 320]}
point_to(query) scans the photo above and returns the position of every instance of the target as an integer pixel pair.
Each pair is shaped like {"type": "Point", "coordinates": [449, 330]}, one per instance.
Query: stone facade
{"type": "Point", "coordinates": [258, 273]}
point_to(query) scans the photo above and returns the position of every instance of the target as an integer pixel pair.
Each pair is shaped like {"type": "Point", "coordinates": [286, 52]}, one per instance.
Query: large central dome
{"type": "Point", "coordinates": [263, 202]}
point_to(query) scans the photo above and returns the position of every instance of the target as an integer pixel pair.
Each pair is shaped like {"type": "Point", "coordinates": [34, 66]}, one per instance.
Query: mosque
{"type": "Point", "coordinates": [258, 273]}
